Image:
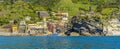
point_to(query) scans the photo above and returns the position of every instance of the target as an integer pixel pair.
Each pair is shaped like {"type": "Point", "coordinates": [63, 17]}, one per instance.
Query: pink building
{"type": "Point", "coordinates": [51, 27]}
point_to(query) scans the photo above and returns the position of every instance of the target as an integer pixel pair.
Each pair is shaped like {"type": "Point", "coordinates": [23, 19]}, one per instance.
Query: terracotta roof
{"type": "Point", "coordinates": [7, 26]}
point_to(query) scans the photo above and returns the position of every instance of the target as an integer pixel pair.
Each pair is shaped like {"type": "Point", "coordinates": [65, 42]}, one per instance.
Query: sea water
{"type": "Point", "coordinates": [59, 42]}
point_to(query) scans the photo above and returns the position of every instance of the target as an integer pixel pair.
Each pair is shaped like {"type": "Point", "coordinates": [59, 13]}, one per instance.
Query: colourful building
{"type": "Point", "coordinates": [51, 27]}
{"type": "Point", "coordinates": [35, 28]}
{"type": "Point", "coordinates": [14, 29]}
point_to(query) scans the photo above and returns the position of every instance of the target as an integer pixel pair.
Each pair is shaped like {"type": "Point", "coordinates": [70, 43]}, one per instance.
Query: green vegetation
{"type": "Point", "coordinates": [108, 10]}
{"type": "Point", "coordinates": [18, 9]}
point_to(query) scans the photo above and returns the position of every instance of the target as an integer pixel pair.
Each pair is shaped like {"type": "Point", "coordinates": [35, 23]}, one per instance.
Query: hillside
{"type": "Point", "coordinates": [19, 9]}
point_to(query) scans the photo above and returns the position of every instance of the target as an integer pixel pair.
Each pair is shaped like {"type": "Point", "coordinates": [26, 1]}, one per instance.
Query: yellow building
{"type": "Point", "coordinates": [40, 25]}
{"type": "Point", "coordinates": [14, 29]}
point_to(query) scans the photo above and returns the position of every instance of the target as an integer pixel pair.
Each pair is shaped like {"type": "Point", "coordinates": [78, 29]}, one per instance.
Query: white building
{"type": "Point", "coordinates": [22, 23]}
{"type": "Point", "coordinates": [28, 18]}
{"type": "Point", "coordinates": [35, 28]}
{"type": "Point", "coordinates": [65, 19]}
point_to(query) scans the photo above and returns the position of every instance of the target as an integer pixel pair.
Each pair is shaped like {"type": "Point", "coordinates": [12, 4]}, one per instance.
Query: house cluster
{"type": "Point", "coordinates": [44, 27]}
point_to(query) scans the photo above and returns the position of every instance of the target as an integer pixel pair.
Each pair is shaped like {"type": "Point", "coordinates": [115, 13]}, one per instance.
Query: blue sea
{"type": "Point", "coordinates": [58, 42]}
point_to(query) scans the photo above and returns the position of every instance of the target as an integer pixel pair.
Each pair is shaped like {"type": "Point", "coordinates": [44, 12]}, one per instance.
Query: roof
{"type": "Point", "coordinates": [62, 14]}
{"type": "Point", "coordinates": [14, 25]}
{"type": "Point", "coordinates": [43, 13]}
{"type": "Point", "coordinates": [7, 26]}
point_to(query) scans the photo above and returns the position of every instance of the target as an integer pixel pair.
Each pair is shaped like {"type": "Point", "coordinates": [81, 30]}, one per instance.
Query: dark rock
{"type": "Point", "coordinates": [84, 27]}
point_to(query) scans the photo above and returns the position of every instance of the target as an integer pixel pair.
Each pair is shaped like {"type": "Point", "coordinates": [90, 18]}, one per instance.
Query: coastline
{"type": "Point", "coordinates": [43, 34]}
{"type": "Point", "coordinates": [19, 34]}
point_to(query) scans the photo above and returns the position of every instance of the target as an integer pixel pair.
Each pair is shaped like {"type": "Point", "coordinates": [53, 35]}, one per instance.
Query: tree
{"type": "Point", "coordinates": [15, 21]}
{"type": "Point", "coordinates": [46, 3]}
{"type": "Point", "coordinates": [75, 1]}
